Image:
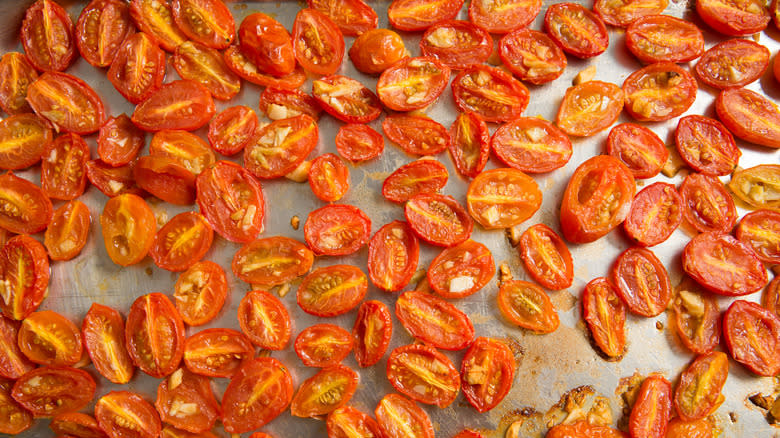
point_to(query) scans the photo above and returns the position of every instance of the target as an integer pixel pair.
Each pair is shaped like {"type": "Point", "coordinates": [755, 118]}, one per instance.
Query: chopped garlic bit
{"type": "Point", "coordinates": [514, 234]}
{"type": "Point", "coordinates": [536, 134]}
{"type": "Point", "coordinates": [295, 222]}
{"type": "Point", "coordinates": [692, 302]}
{"type": "Point", "coordinates": [279, 112]}
{"type": "Point", "coordinates": [301, 173]}
{"type": "Point", "coordinates": [175, 379]}
{"type": "Point", "coordinates": [461, 284]}
{"type": "Point", "coordinates": [674, 163]}
{"type": "Point", "coordinates": [443, 37]}
{"type": "Point", "coordinates": [504, 273]}
{"type": "Point", "coordinates": [514, 429]}
{"type": "Point", "coordinates": [284, 289]}
{"type": "Point", "coordinates": [585, 75]}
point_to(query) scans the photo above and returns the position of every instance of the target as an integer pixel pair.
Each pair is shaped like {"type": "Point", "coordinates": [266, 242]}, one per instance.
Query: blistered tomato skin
{"type": "Point", "coordinates": [750, 116]}
{"type": "Point", "coordinates": [267, 44]}
{"type": "Point", "coordinates": [376, 50]}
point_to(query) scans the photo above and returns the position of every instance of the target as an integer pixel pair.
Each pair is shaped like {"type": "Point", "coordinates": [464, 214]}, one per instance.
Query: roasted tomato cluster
{"type": "Point", "coordinates": [185, 144]}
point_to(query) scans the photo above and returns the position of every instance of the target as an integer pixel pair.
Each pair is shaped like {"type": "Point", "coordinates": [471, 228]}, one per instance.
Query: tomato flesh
{"type": "Point", "coordinates": [371, 332]}
{"type": "Point", "coordinates": [639, 148]}
{"type": "Point", "coordinates": [326, 391]}
{"type": "Point", "coordinates": [528, 306]}
{"type": "Point", "coordinates": [487, 373]}
{"type": "Point", "coordinates": [502, 198]}
{"type": "Point", "coordinates": [337, 229]}
{"type": "Point", "coordinates": [24, 267]}
{"type": "Point", "coordinates": [48, 36]}
{"type": "Point", "coordinates": [461, 270]}
{"type": "Point", "coordinates": [103, 330]}
{"type": "Point", "coordinates": [399, 417]}
{"type": "Point", "coordinates": [67, 102]}
{"type": "Point", "coordinates": [723, 264]}
{"type": "Point", "coordinates": [655, 38]}
{"type": "Point", "coordinates": [654, 215]}
{"type": "Point", "coordinates": [272, 260]}
{"type": "Point", "coordinates": [154, 335]}
{"type": "Point", "coordinates": [50, 391]}
{"type": "Point", "coordinates": [217, 352]}
{"type": "Point", "coordinates": [16, 75]}
{"type": "Point", "coordinates": [434, 321]}
{"type": "Point", "coordinates": [423, 374]}
{"type": "Point", "coordinates": [659, 92]}
{"type": "Point", "coordinates": [23, 140]}
{"type": "Point", "coordinates": [546, 257]}
{"type": "Point", "coordinates": [489, 92]}
{"type": "Point", "coordinates": [260, 391]}
{"type": "Point", "coordinates": [752, 335]}
{"type": "Point", "coordinates": [589, 108]}
{"type": "Point", "coordinates": [532, 145]}
{"type": "Point", "coordinates": [265, 320]}
{"type": "Point", "coordinates": [323, 345]}
{"type": "Point", "coordinates": [139, 69]}
{"type": "Point", "coordinates": [102, 27]}
{"type": "Point", "coordinates": [576, 29]}
{"type": "Point", "coordinates": [332, 290]}
{"type": "Point", "coordinates": [438, 219]}
{"type": "Point", "coordinates": [421, 176]}
{"type": "Point", "coordinates": [605, 313]}
{"type": "Point", "coordinates": [699, 389]}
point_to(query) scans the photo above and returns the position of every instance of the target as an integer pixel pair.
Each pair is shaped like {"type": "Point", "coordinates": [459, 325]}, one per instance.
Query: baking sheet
{"type": "Point", "coordinates": [549, 364]}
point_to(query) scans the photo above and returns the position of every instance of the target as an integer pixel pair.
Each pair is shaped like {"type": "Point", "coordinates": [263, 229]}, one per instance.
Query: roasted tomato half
{"type": "Point", "coordinates": [707, 205]}
{"type": "Point", "coordinates": [605, 314]}
{"type": "Point", "coordinates": [206, 66]}
{"type": "Point", "coordinates": [457, 44]}
{"type": "Point", "coordinates": [317, 42]}
{"type": "Point", "coordinates": [546, 257]}
{"type": "Point", "coordinates": [353, 17]}
{"type": "Point", "coordinates": [119, 141]}
{"type": "Point", "coordinates": [659, 91]}
{"type": "Point", "coordinates": [48, 338]}
{"type": "Point", "coordinates": [434, 321]}
{"type": "Point", "coordinates": [154, 335]}
{"type": "Point", "coordinates": [642, 282]}
{"type": "Point", "coordinates": [532, 145]}
{"type": "Point", "coordinates": [752, 335]}
{"type": "Point", "coordinates": [232, 129]}
{"type": "Point", "coordinates": [422, 373]}
{"type": "Point", "coordinates": [267, 44]}
{"type": "Point", "coordinates": [654, 215]}
{"type": "Point", "coordinates": [412, 83]}
{"type": "Point", "coordinates": [371, 332]}
{"type": "Point", "coordinates": [502, 198]}
{"type": "Point", "coordinates": [621, 13]}
{"type": "Point", "coordinates": [652, 408]}
{"type": "Point", "coordinates": [723, 264]}
{"type": "Point", "coordinates": [103, 331]}
{"type": "Point", "coordinates": [358, 142]}
{"type": "Point", "coordinates": [346, 99]}
{"type": "Point", "coordinates": [139, 69]}
{"type": "Point", "coordinates": [438, 219]}
{"type": "Point", "coordinates": [489, 92]}
{"type": "Point", "coordinates": [128, 227]}
{"type": "Point", "coordinates": [750, 116]}
{"type": "Point", "coordinates": [155, 19]}
{"type": "Point", "coordinates": [16, 75]}
{"type": "Point", "coordinates": [337, 229]}
{"type": "Point", "coordinates": [24, 269]}
{"type": "Point", "coordinates": [758, 186]}
{"type": "Point", "coordinates": [323, 345]}
{"type": "Point", "coordinates": [696, 317]}
{"type": "Point", "coordinates": [48, 36]}
{"type": "Point", "coordinates": [376, 50]}
{"type": "Point", "coordinates": [655, 38]}
{"type": "Point", "coordinates": [208, 22]}
{"type": "Point", "coordinates": [503, 17]}
{"type": "Point", "coordinates": [278, 148]}
{"type": "Point", "coordinates": [124, 414]}
{"type": "Point", "coordinates": [272, 261]}
{"type": "Point", "coordinates": [260, 391]}
{"type": "Point", "coordinates": [411, 15]}
{"type": "Point", "coordinates": [639, 148]}
{"type": "Point", "coordinates": [265, 320]}
{"type": "Point", "coordinates": [217, 352]}
{"type": "Point", "coordinates": [589, 107]}
{"type": "Point", "coordinates": [182, 241]}
{"type": "Point", "coordinates": [734, 18]}
{"type": "Point", "coordinates": [66, 101]}
{"type": "Point", "coordinates": [182, 104]}
{"type": "Point", "coordinates": [698, 393]}
{"type": "Point", "coordinates": [421, 176]}
{"type": "Point", "coordinates": [326, 391]}
{"type": "Point", "coordinates": [63, 169]}
{"type": "Point", "coordinates": [50, 391]}
{"type": "Point", "coordinates": [470, 145]}
{"type": "Point", "coordinates": [399, 417]}
{"type": "Point", "coordinates": [393, 252]}
{"type": "Point", "coordinates": [576, 29]}
{"type": "Point", "coordinates": [332, 290]}
{"type": "Point", "coordinates": [23, 140]}
{"type": "Point", "coordinates": [487, 373]}
{"type": "Point", "coordinates": [760, 229]}
{"type": "Point", "coordinates": [461, 270]}
{"type": "Point", "coordinates": [532, 56]}
{"type": "Point", "coordinates": [733, 63]}
{"type": "Point", "coordinates": [102, 27]}
{"type": "Point", "coordinates": [706, 145]}
{"type": "Point", "coordinates": [526, 305]}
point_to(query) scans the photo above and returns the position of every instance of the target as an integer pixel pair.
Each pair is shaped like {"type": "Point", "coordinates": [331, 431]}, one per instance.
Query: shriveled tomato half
{"type": "Point", "coordinates": [699, 390]}
{"type": "Point", "coordinates": [411, 15]}
{"type": "Point", "coordinates": [125, 414]}
{"type": "Point", "coordinates": [733, 63]}
{"type": "Point", "coordinates": [102, 27]}
{"type": "Point", "coordinates": [232, 129]}
{"type": "Point", "coordinates": [317, 42]}
{"type": "Point", "coordinates": [47, 36]}
{"type": "Point", "coordinates": [155, 19]}
{"type": "Point", "coordinates": [66, 101]}
{"type": "Point", "coordinates": [502, 198]}
{"type": "Point", "coordinates": [346, 99]}
{"type": "Point", "coordinates": [642, 282]}
{"type": "Point", "coordinates": [103, 331]}
{"type": "Point", "coordinates": [438, 219]}
{"type": "Point", "coordinates": [279, 103]}
{"type": "Point", "coordinates": [758, 186]}
{"type": "Point", "coordinates": [14, 418]}
{"type": "Point", "coordinates": [267, 44]}
{"type": "Point", "coordinates": [734, 18]}
{"type": "Point", "coordinates": [654, 215]}
{"type": "Point", "coordinates": [217, 352]}
{"type": "Point", "coordinates": [24, 207]}
{"type": "Point", "coordinates": [23, 140]}
{"type": "Point", "coordinates": [324, 392]}
{"type": "Point", "coordinates": [139, 67]}
{"type": "Point", "coordinates": [76, 424]}
{"type": "Point", "coordinates": [526, 305]}
{"type": "Point", "coordinates": [469, 145]}
{"type": "Point", "coordinates": [337, 229]}
{"type": "Point", "coordinates": [658, 92]}
{"type": "Point", "coordinates": [119, 141]}
{"type": "Point", "coordinates": [353, 17]}
{"type": "Point", "coordinates": [208, 22]}
{"type": "Point", "coordinates": [461, 270]}
{"type": "Point", "coordinates": [532, 56]}
{"type": "Point", "coordinates": [358, 142]}
{"type": "Point", "coordinates": [243, 66]}
{"type": "Point", "coordinates": [272, 260]}
{"type": "Point", "coordinates": [696, 318]}
{"type": "Point", "coordinates": [589, 108]}
{"type": "Point", "coordinates": [457, 44]}
{"type": "Point", "coordinates": [346, 419]}
{"type": "Point", "coordinates": [546, 257]}
{"type": "Point", "coordinates": [329, 177]}
{"type": "Point", "coordinates": [655, 38]}
{"type": "Point", "coordinates": [154, 335]}
{"type": "Point", "coordinates": [265, 320]}
{"type": "Point", "coordinates": [723, 264]}
{"type": "Point", "coordinates": [371, 332]}
{"type": "Point", "coordinates": [50, 391]}
{"type": "Point", "coordinates": [489, 92]}
{"type": "Point", "coordinates": [16, 75]}
{"type": "Point", "coordinates": [260, 391]}
{"type": "Point", "coordinates": [707, 204]}
{"type": "Point", "coordinates": [576, 29]}
{"type": "Point", "coordinates": [393, 253]}
{"type": "Point", "coordinates": [422, 373]}
{"type": "Point", "coordinates": [597, 199]}
{"type": "Point", "coordinates": [412, 83]}
{"type": "Point", "coordinates": [417, 135]}
{"type": "Point", "coordinates": [621, 13]}
{"type": "Point", "coordinates": [281, 146]}
{"type": "Point", "coordinates": [421, 176]}
{"type": "Point", "coordinates": [165, 178]}
{"type": "Point", "coordinates": [24, 269]}
{"type": "Point", "coordinates": [323, 345]}
{"type": "Point", "coordinates": [200, 292]}
{"type": "Point", "coordinates": [113, 181]}
{"type": "Point", "coordinates": [487, 373]}
{"type": "Point", "coordinates": [583, 428]}
{"type": "Point", "coordinates": [434, 321]}
{"type": "Point", "coordinates": [639, 148]}
{"type": "Point", "coordinates": [770, 299]}
{"type": "Point", "coordinates": [605, 314]}
{"type": "Point", "coordinates": [679, 428]}
{"type": "Point", "coordinates": [652, 408]}
{"type": "Point", "coordinates": [377, 49]}
{"type": "Point", "coordinates": [760, 229]}
{"type": "Point", "coordinates": [399, 417]}
{"type": "Point", "coordinates": [503, 17]}
{"type": "Point", "coordinates": [232, 201]}
{"type": "Point", "coordinates": [752, 335]}
{"type": "Point", "coordinates": [186, 401]}
{"type": "Point", "coordinates": [206, 66]}
{"type": "Point", "coordinates": [182, 241]}
{"type": "Point", "coordinates": [13, 362]}
{"type": "Point", "coordinates": [750, 116]}
{"type": "Point", "coordinates": [63, 168]}
{"type": "Point", "coordinates": [332, 290]}
{"type": "Point", "coordinates": [532, 145]}
{"type": "Point", "coordinates": [706, 145]}
{"type": "Point", "coordinates": [128, 227]}
{"type": "Point", "coordinates": [68, 231]}
{"type": "Point", "coordinates": [186, 148]}
{"type": "Point", "coordinates": [182, 104]}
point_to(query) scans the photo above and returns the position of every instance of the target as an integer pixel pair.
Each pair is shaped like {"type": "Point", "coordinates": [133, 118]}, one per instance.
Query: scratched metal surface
{"type": "Point", "coordinates": [550, 364]}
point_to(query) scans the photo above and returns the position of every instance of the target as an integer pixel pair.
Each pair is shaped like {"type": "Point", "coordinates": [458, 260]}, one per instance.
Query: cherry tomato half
{"type": "Point", "coordinates": [317, 42]}
{"type": "Point", "coordinates": [323, 345]}
{"type": "Point", "coordinates": [526, 305]}
{"type": "Point", "coordinates": [14, 418]}
{"type": "Point", "coordinates": [438, 219]}
{"type": "Point", "coordinates": [752, 335]}
{"type": "Point", "coordinates": [639, 148]}
{"type": "Point", "coordinates": [469, 148]}
{"type": "Point", "coordinates": [102, 27]}
{"type": "Point", "coordinates": [200, 292]}
{"type": "Point", "coordinates": [503, 17]}
{"type": "Point", "coordinates": [461, 270]}
{"type": "Point", "coordinates": [182, 241]}
{"type": "Point", "coordinates": [679, 428]}
{"type": "Point", "coordinates": [184, 388]}
{"type": "Point", "coordinates": [272, 260]}
{"type": "Point", "coordinates": [346, 99]}
{"type": "Point", "coordinates": [69, 103]}
{"type": "Point", "coordinates": [416, 135]}
{"type": "Point", "coordinates": [655, 38]}
{"type": "Point", "coordinates": [589, 108]}
{"type": "Point", "coordinates": [345, 420]}
{"type": "Point", "coordinates": [324, 392]}
{"type": "Point", "coordinates": [337, 229]}
{"type": "Point", "coordinates": [47, 36]}
{"type": "Point", "coordinates": [576, 29]}
{"type": "Point", "coordinates": [423, 374]}
{"type": "Point", "coordinates": [24, 207]}
{"type": "Point", "coordinates": [421, 176]}
{"type": "Point", "coordinates": [207, 22]}
{"type": "Point", "coordinates": [698, 392]}
{"type": "Point", "coordinates": [124, 414]}
{"type": "Point", "coordinates": [583, 428]}
{"type": "Point", "coordinates": [260, 391]}
{"type": "Point", "coordinates": [50, 391]}
{"type": "Point", "coordinates": [502, 198]}
{"type": "Point", "coordinates": [265, 320]}
{"type": "Point", "coordinates": [24, 269]}
{"type": "Point", "coordinates": [411, 15]}
{"type": "Point", "coordinates": [642, 282]}
{"type": "Point", "coordinates": [457, 44]}
{"type": "Point", "coordinates": [155, 19]}
{"type": "Point", "coordinates": [63, 168]}
{"type": "Point", "coordinates": [707, 204]}
{"type": "Point", "coordinates": [487, 373]}
{"type": "Point", "coordinates": [412, 83]}
{"type": "Point", "coordinates": [182, 104]}
{"type": "Point", "coordinates": [103, 331]}
{"type": "Point", "coordinates": [376, 50]}
{"type": "Point", "coordinates": [243, 66]}
{"type": "Point", "coordinates": [654, 215]}
{"type": "Point", "coordinates": [23, 140]}
{"type": "Point", "coordinates": [697, 318]}
{"type": "Point", "coordinates": [358, 142]}
{"type": "Point", "coordinates": [621, 13]}
{"type": "Point", "coordinates": [652, 408]}
{"type": "Point", "coordinates": [605, 314]}
{"type": "Point", "coordinates": [217, 352]}
{"type": "Point", "coordinates": [371, 332]}
{"type": "Point", "coordinates": [205, 65]}
{"type": "Point", "coordinates": [267, 44]}
{"type": "Point", "coordinates": [332, 290]}
{"type": "Point", "coordinates": [48, 338]}
{"type": "Point", "coordinates": [139, 79]}
{"type": "Point", "coordinates": [353, 17]}
{"type": "Point", "coordinates": [546, 257]}
{"type": "Point", "coordinates": [399, 417]}
{"type": "Point", "coordinates": [760, 229]}
{"type": "Point", "coordinates": [119, 141]}
{"type": "Point", "coordinates": [658, 92]}
{"type": "Point", "coordinates": [723, 264]}
{"type": "Point", "coordinates": [758, 186]}
{"type": "Point", "coordinates": [532, 56]}
{"type": "Point", "coordinates": [489, 92]}
{"type": "Point", "coordinates": [154, 335]}
{"type": "Point", "coordinates": [393, 252]}
{"type": "Point", "coordinates": [76, 424]}
{"type": "Point", "coordinates": [232, 129]}
{"type": "Point", "coordinates": [706, 145]}
{"type": "Point", "coordinates": [279, 103]}
{"type": "Point", "coordinates": [750, 116]}
{"type": "Point", "coordinates": [13, 362]}
{"type": "Point", "coordinates": [434, 321]}
{"type": "Point", "coordinates": [16, 75]}
{"type": "Point", "coordinates": [733, 63]}
{"type": "Point", "coordinates": [532, 145]}
{"type": "Point", "coordinates": [278, 148]}
{"type": "Point", "coordinates": [734, 18]}
{"type": "Point", "coordinates": [128, 227]}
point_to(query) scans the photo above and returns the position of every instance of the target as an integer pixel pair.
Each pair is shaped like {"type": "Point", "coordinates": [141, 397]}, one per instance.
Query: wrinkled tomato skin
{"type": "Point", "coordinates": [13, 363]}
{"type": "Point", "coordinates": [573, 121]}
{"type": "Point", "coordinates": [23, 263]}
{"type": "Point", "coordinates": [155, 19]}
{"type": "Point", "coordinates": [752, 335]}
{"type": "Point", "coordinates": [639, 148]}
{"type": "Point", "coordinates": [358, 142]}
{"type": "Point", "coordinates": [728, 18]}
{"type": "Point", "coordinates": [372, 332]}
{"type": "Point", "coordinates": [67, 102]}
{"type": "Point", "coordinates": [24, 138]}
{"type": "Point", "coordinates": [323, 345]}
{"type": "Point", "coordinates": [470, 261]}
{"type": "Point", "coordinates": [267, 44]}
{"type": "Point", "coordinates": [516, 143]}
{"type": "Point", "coordinates": [750, 116]}
{"type": "Point", "coordinates": [706, 145]}
{"type": "Point", "coordinates": [455, 229]}
{"type": "Point", "coordinates": [103, 331]}
{"type": "Point", "coordinates": [531, 310]}
{"type": "Point", "coordinates": [119, 141]}
{"type": "Point", "coordinates": [124, 414]}
{"type": "Point", "coordinates": [101, 28]}
{"type": "Point", "coordinates": [490, 92]}
{"type": "Point", "coordinates": [470, 136]}
{"type": "Point", "coordinates": [393, 253]}
{"type": "Point", "coordinates": [68, 232]}
{"type": "Point", "coordinates": [501, 363]}
{"type": "Point", "coordinates": [113, 181]}
{"type": "Point", "coordinates": [50, 391]}
{"type": "Point", "coordinates": [582, 429]}
{"type": "Point", "coordinates": [138, 80]}
{"type": "Point", "coordinates": [241, 65]}
{"type": "Point", "coordinates": [338, 382]}
{"type": "Point", "coordinates": [649, 295]}
{"type": "Point", "coordinates": [63, 169]}
{"type": "Point", "coordinates": [325, 57]}
{"type": "Point", "coordinates": [572, 41]}
{"type": "Point", "coordinates": [770, 299]}
{"type": "Point", "coordinates": [652, 408]}
{"type": "Point", "coordinates": [268, 157]}
{"type": "Point", "coordinates": [76, 424]}
{"type": "Point", "coordinates": [748, 59]}
{"type": "Point", "coordinates": [421, 176]}
{"type": "Point", "coordinates": [166, 179]}
{"type": "Point", "coordinates": [428, 78]}
{"type": "Point", "coordinates": [683, 41]}
{"type": "Point", "coordinates": [274, 337]}
{"type": "Point", "coordinates": [353, 17]}
{"type": "Point", "coordinates": [376, 50]}
{"type": "Point", "coordinates": [193, 104]}
{"type": "Point", "coordinates": [229, 349]}
{"type": "Point", "coordinates": [16, 75]}
{"type": "Point", "coordinates": [447, 328]}
{"type": "Point", "coordinates": [760, 229]}
{"type": "Point", "coordinates": [578, 214]}
{"type": "Point", "coordinates": [190, 389]}
{"type": "Point", "coordinates": [664, 107]}
{"type": "Point", "coordinates": [325, 228]}
{"type": "Point", "coordinates": [708, 372]}
{"type": "Point", "coordinates": [408, 15]}
{"type": "Point", "coordinates": [200, 292]}
{"type": "Point", "coordinates": [654, 215]}
{"type": "Point", "coordinates": [474, 44]}
{"type": "Point", "coordinates": [273, 377]}
{"type": "Point", "coordinates": [505, 17]}
{"type": "Point", "coordinates": [605, 314]}
{"type": "Point", "coordinates": [48, 37]}
{"type": "Point", "coordinates": [408, 380]}
{"type": "Point", "coordinates": [20, 195]}
{"type": "Point", "coordinates": [153, 323]}
{"type": "Point", "coordinates": [546, 257]}
{"type": "Point", "coordinates": [232, 129]}
{"type": "Point", "coordinates": [217, 32]}
{"type": "Point", "coordinates": [707, 205]}
{"type": "Point", "coordinates": [734, 271]}
{"type": "Point", "coordinates": [520, 45]}
{"type": "Point", "coordinates": [358, 106]}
